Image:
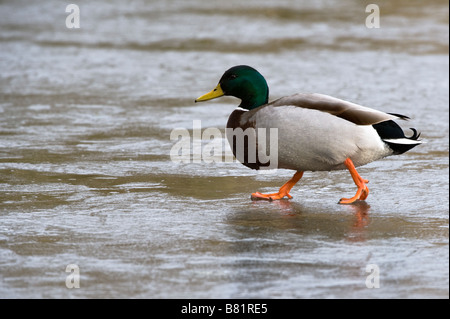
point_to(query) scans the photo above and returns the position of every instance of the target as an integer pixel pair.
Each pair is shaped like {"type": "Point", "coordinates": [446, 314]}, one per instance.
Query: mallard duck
{"type": "Point", "coordinates": [316, 132]}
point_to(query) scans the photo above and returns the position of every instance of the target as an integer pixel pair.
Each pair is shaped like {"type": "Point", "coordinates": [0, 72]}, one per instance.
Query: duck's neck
{"type": "Point", "coordinates": [255, 98]}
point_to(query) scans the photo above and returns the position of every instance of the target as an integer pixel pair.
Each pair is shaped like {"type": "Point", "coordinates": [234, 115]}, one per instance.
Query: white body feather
{"type": "Point", "coordinates": [312, 140]}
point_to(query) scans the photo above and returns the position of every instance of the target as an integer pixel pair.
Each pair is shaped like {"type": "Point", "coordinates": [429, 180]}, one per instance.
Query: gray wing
{"type": "Point", "coordinates": [352, 112]}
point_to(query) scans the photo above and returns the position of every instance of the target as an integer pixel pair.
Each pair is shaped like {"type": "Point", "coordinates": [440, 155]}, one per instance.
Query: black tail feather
{"type": "Point", "coordinates": [403, 117]}
{"type": "Point", "coordinates": [389, 131]}
{"type": "Point", "coordinates": [416, 134]}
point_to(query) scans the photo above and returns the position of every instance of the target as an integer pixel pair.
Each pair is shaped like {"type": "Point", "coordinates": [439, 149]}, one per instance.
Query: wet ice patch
{"type": "Point", "coordinates": [39, 107]}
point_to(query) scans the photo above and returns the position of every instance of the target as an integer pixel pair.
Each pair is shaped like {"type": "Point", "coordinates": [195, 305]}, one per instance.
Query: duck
{"type": "Point", "coordinates": [314, 132]}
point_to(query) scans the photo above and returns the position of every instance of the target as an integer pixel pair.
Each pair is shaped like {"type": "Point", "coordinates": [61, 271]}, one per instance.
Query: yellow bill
{"type": "Point", "coordinates": [217, 92]}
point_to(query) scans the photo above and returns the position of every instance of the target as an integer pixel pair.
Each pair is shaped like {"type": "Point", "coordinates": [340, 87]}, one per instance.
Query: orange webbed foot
{"type": "Point", "coordinates": [361, 194]}
{"type": "Point", "coordinates": [283, 192]}
{"type": "Point", "coordinates": [269, 197]}
{"type": "Point", "coordinates": [363, 190]}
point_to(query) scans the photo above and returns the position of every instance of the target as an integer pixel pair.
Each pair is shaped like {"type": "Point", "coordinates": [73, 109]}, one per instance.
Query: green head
{"type": "Point", "coordinates": [243, 82]}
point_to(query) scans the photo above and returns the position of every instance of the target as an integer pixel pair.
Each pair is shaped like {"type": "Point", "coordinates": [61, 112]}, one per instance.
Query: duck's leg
{"type": "Point", "coordinates": [363, 190]}
{"type": "Point", "coordinates": [284, 190]}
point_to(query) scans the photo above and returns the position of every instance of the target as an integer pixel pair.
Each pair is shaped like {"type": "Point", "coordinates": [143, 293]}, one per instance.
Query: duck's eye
{"type": "Point", "coordinates": [233, 76]}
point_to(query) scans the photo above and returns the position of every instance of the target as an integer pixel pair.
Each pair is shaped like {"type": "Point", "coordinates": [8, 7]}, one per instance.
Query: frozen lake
{"type": "Point", "coordinates": [86, 178]}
